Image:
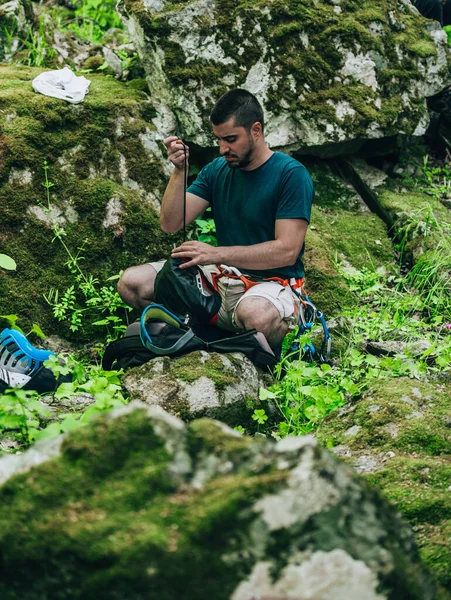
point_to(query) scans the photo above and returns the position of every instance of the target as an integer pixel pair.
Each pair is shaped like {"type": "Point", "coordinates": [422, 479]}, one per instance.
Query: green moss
{"type": "Point", "coordinates": [340, 231]}
{"type": "Point", "coordinates": [425, 436]}
{"type": "Point", "coordinates": [411, 201]}
{"type": "Point", "coordinates": [417, 476]}
{"type": "Point", "coordinates": [85, 146]}
{"type": "Point", "coordinates": [420, 490]}
{"type": "Point", "coordinates": [423, 48]}
{"type": "Point", "coordinates": [433, 541]}
{"type": "Point", "coordinates": [191, 367]}
{"type": "Point", "coordinates": [395, 402]}
{"type": "Point", "coordinates": [209, 436]}
{"type": "Point", "coordinates": [119, 524]}
{"type": "Point", "coordinates": [325, 286]}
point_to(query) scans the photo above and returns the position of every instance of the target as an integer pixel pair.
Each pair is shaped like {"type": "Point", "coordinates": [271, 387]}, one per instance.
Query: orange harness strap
{"type": "Point", "coordinates": [248, 282]}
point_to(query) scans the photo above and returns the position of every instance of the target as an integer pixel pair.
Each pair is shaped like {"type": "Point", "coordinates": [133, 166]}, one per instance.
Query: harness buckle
{"type": "Point", "coordinates": [231, 270]}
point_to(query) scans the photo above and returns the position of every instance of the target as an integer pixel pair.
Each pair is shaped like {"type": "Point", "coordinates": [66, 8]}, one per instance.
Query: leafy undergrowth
{"type": "Point", "coordinates": [93, 24]}
{"type": "Point", "coordinates": [26, 416]}
{"type": "Point", "coordinates": [400, 325]}
{"type": "Point", "coordinates": [406, 319]}
{"type": "Point", "coordinates": [387, 311]}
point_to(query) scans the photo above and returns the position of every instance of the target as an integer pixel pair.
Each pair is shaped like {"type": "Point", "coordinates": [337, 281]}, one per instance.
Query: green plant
{"type": "Point", "coordinates": [20, 412]}
{"type": "Point", "coordinates": [86, 301]}
{"type": "Point", "coordinates": [128, 61]}
{"type": "Point", "coordinates": [39, 52]}
{"type": "Point", "coordinates": [431, 277]}
{"type": "Point", "coordinates": [307, 394]}
{"type": "Point", "coordinates": [206, 231]}
{"type": "Point", "coordinates": [259, 415]}
{"type": "Point", "coordinates": [12, 324]}
{"type": "Point", "coordinates": [93, 18]}
{"type": "Point", "coordinates": [388, 308]}
{"type": "Point", "coordinates": [9, 35]}
{"type": "Point", "coordinates": [23, 415]}
{"type": "Point", "coordinates": [447, 29]}
{"type": "Point", "coordinates": [433, 180]}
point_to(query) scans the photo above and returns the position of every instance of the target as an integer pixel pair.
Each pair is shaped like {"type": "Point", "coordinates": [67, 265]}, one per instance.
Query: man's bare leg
{"type": "Point", "coordinates": [261, 314]}
{"type": "Point", "coordinates": [136, 286]}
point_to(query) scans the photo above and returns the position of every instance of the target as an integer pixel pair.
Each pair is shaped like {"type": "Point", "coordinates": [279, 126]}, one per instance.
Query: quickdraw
{"type": "Point", "coordinates": [309, 314]}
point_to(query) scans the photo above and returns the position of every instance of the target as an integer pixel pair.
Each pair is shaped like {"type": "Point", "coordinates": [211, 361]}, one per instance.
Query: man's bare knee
{"type": "Point", "coordinates": [256, 313]}
{"type": "Point", "coordinates": [261, 314]}
{"type": "Point", "coordinates": [136, 286]}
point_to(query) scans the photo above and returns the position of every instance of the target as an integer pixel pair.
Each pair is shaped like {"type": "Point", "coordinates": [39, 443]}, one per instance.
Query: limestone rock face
{"type": "Point", "coordinates": [201, 384]}
{"type": "Point", "coordinates": [107, 172]}
{"type": "Point", "coordinates": [326, 72]}
{"type": "Point", "coordinates": [173, 511]}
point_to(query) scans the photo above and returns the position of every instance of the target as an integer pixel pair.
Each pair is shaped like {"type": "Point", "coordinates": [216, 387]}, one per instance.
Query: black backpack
{"type": "Point", "coordinates": [161, 333]}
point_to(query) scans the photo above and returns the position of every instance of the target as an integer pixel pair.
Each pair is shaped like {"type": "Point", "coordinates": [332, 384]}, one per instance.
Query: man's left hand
{"type": "Point", "coordinates": [196, 253]}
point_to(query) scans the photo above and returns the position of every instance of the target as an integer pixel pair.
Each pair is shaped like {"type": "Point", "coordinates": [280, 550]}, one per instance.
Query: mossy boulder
{"type": "Point", "coordinates": [343, 230]}
{"type": "Point", "coordinates": [138, 505]}
{"type": "Point", "coordinates": [326, 72]}
{"type": "Point", "coordinates": [108, 172]}
{"type": "Point", "coordinates": [399, 437]}
{"type": "Point", "coordinates": [418, 216]}
{"type": "Point", "coordinates": [201, 384]}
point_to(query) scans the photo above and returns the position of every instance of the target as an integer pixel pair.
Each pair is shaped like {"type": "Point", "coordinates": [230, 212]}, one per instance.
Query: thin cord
{"type": "Point", "coordinates": [184, 193]}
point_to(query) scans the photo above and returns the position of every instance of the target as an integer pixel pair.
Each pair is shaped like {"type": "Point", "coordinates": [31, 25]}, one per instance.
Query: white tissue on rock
{"type": "Point", "coordinates": [63, 84]}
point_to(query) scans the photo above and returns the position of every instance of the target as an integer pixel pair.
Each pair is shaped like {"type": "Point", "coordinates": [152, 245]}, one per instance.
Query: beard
{"type": "Point", "coordinates": [239, 162]}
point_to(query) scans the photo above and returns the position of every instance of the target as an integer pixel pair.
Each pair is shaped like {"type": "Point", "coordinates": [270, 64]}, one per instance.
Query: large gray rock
{"type": "Point", "coordinates": [201, 384]}
{"type": "Point", "coordinates": [136, 505]}
{"type": "Point", "coordinates": [326, 72]}
{"type": "Point", "coordinates": [398, 435]}
{"type": "Point", "coordinates": [108, 171]}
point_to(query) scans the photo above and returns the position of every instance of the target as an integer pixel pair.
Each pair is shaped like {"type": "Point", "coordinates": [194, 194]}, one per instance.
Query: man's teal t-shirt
{"type": "Point", "coordinates": [246, 204]}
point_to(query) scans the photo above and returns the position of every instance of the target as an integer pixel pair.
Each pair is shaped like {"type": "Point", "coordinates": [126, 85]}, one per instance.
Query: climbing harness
{"type": "Point", "coordinates": [308, 313]}
{"type": "Point", "coordinates": [248, 280]}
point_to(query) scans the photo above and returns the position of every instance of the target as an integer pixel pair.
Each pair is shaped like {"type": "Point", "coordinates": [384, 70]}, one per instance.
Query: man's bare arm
{"type": "Point", "coordinates": [280, 252]}
{"type": "Point", "coordinates": [171, 214]}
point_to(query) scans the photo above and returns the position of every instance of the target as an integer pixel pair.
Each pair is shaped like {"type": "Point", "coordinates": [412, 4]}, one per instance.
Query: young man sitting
{"type": "Point", "coordinates": [261, 204]}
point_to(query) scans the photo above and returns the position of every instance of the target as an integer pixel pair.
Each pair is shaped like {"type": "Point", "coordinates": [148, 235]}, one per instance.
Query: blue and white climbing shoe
{"type": "Point", "coordinates": [17, 355]}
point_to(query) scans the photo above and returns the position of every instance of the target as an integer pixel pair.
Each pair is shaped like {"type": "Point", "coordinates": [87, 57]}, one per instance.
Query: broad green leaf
{"type": "Point", "coordinates": [70, 423]}
{"type": "Point", "coordinates": [8, 263]}
{"type": "Point", "coordinates": [65, 390]}
{"type": "Point", "coordinates": [11, 421]}
{"type": "Point", "coordinates": [442, 361]}
{"type": "Point", "coordinates": [264, 394]}
{"type": "Point", "coordinates": [38, 331]}
{"type": "Point", "coordinates": [12, 321]}
{"type": "Point", "coordinates": [89, 413]}
{"type": "Point", "coordinates": [50, 431]}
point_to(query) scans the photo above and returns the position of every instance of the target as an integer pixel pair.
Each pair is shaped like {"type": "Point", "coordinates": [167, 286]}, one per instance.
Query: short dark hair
{"type": "Point", "coordinates": [240, 104]}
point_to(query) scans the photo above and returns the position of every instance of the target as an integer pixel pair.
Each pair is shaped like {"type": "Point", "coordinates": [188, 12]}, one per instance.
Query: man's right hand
{"type": "Point", "coordinates": [176, 151]}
